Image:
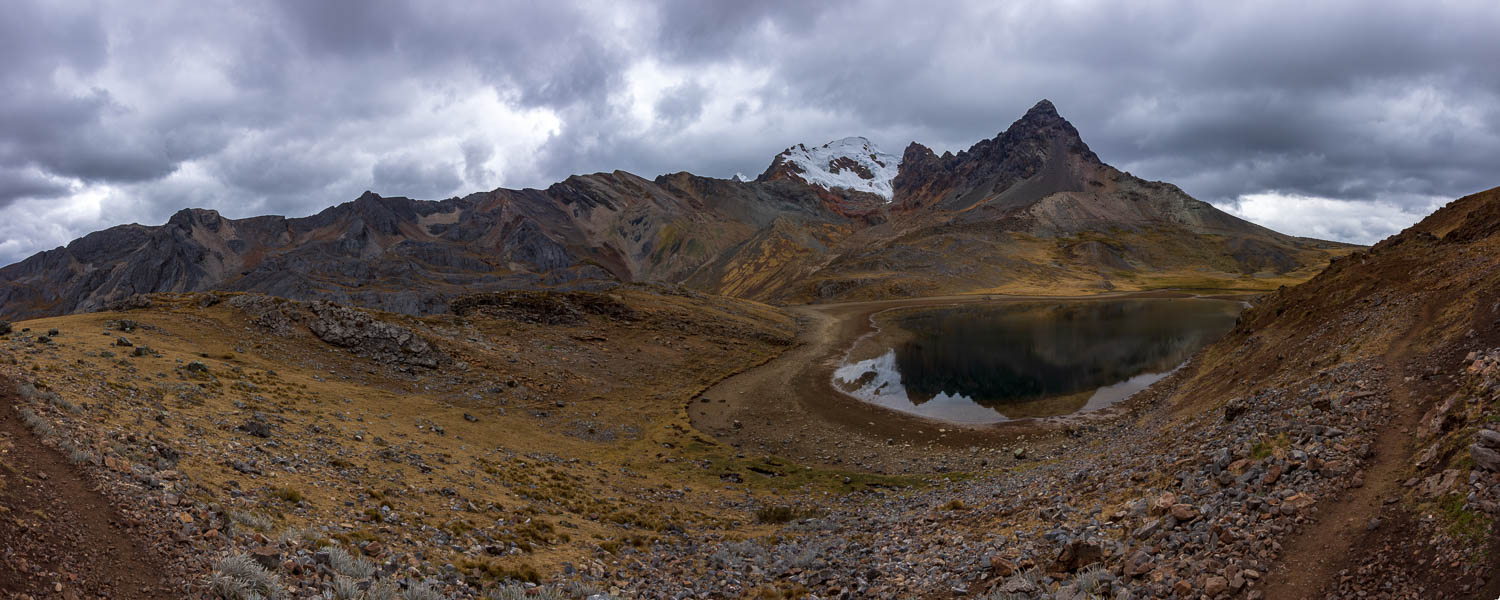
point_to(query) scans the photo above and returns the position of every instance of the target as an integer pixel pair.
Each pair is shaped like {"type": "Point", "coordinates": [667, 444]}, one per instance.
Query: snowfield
{"type": "Point", "coordinates": [819, 168]}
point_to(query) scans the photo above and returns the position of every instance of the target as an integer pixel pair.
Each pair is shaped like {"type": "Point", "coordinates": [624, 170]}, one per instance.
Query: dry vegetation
{"type": "Point", "coordinates": [550, 432]}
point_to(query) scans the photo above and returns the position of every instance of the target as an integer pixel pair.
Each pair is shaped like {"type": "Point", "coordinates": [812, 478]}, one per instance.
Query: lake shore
{"type": "Point", "coordinates": [790, 407]}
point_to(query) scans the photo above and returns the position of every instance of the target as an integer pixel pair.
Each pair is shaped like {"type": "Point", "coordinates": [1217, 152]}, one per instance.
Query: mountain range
{"type": "Point", "coordinates": [1032, 209]}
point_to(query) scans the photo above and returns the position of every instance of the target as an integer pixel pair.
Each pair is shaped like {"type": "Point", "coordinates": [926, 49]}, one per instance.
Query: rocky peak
{"type": "Point", "coordinates": [916, 153]}
{"type": "Point", "coordinates": [188, 218]}
{"type": "Point", "coordinates": [1041, 141]}
{"type": "Point", "coordinates": [1037, 131]}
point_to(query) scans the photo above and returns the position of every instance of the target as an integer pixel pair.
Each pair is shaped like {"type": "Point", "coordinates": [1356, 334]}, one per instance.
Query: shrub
{"type": "Point", "coordinates": [508, 591]}
{"type": "Point", "coordinates": [36, 423]}
{"type": "Point", "coordinates": [349, 564]}
{"type": "Point", "coordinates": [381, 590]}
{"type": "Point", "coordinates": [1091, 579]}
{"type": "Point", "coordinates": [584, 589]}
{"type": "Point", "coordinates": [288, 494]}
{"type": "Point", "coordinates": [239, 577]}
{"type": "Point", "coordinates": [513, 591]}
{"type": "Point", "coordinates": [421, 590]}
{"type": "Point", "coordinates": [80, 456]}
{"type": "Point", "coordinates": [782, 514]}
{"type": "Point", "coordinates": [343, 588]}
{"type": "Point", "coordinates": [251, 520]}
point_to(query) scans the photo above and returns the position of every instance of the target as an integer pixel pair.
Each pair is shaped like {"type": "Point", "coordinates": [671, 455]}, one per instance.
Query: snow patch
{"type": "Point", "coordinates": [740, 177]}
{"type": "Point", "coordinates": [845, 164]}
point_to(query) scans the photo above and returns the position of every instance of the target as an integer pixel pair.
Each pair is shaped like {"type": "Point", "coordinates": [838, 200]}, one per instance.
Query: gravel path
{"type": "Point", "coordinates": [59, 538]}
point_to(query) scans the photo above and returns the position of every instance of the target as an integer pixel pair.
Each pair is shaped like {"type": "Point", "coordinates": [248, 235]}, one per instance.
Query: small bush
{"type": "Point", "coordinates": [381, 590]}
{"type": "Point", "coordinates": [421, 590]}
{"type": "Point", "coordinates": [239, 577]}
{"type": "Point", "coordinates": [583, 589]}
{"type": "Point", "coordinates": [343, 588]}
{"type": "Point", "coordinates": [782, 514]}
{"type": "Point", "coordinates": [37, 423]}
{"type": "Point", "coordinates": [1091, 579]}
{"type": "Point", "coordinates": [287, 494]}
{"type": "Point", "coordinates": [349, 564]}
{"type": "Point", "coordinates": [514, 591]}
{"type": "Point", "coordinates": [251, 520]}
{"type": "Point", "coordinates": [508, 591]}
{"type": "Point", "coordinates": [80, 456]}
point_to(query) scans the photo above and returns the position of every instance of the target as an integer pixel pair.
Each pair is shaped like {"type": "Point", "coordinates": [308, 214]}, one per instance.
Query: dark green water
{"type": "Point", "coordinates": [978, 364]}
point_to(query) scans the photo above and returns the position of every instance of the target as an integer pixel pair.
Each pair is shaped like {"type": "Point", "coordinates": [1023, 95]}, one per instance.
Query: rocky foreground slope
{"type": "Point", "coordinates": [1340, 442]}
{"type": "Point", "coordinates": [1032, 209]}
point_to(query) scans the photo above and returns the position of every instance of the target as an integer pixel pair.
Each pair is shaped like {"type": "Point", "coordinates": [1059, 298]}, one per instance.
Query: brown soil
{"type": "Point", "coordinates": [58, 537]}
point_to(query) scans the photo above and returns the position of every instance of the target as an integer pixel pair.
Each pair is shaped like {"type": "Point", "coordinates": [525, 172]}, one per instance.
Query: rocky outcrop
{"type": "Point", "coordinates": [371, 338]}
{"type": "Point", "coordinates": [529, 306]}
{"type": "Point", "coordinates": [362, 333]}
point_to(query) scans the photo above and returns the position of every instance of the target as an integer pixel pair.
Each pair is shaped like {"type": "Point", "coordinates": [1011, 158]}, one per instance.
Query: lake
{"type": "Point", "coordinates": [998, 362]}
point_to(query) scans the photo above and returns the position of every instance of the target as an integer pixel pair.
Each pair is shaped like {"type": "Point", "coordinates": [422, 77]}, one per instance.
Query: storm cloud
{"type": "Point", "coordinates": [1343, 120]}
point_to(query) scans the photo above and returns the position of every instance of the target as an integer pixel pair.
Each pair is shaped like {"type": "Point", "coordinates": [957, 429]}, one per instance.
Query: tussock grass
{"type": "Point", "coordinates": [779, 513]}
{"type": "Point", "coordinates": [239, 577]}
{"type": "Point", "coordinates": [251, 520]}
{"type": "Point", "coordinates": [422, 590]}
{"type": "Point", "coordinates": [348, 564]}
{"type": "Point", "coordinates": [287, 494]}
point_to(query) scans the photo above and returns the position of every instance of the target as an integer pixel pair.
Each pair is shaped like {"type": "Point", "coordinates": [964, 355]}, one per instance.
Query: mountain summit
{"type": "Point", "coordinates": [853, 164]}
{"type": "Point", "coordinates": [1031, 209]}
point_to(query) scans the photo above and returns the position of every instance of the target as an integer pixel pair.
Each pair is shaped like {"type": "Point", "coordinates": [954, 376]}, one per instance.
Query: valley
{"type": "Point", "coordinates": [484, 397]}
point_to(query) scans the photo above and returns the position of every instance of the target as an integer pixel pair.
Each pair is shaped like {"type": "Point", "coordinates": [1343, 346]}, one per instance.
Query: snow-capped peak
{"type": "Point", "coordinates": [740, 177]}
{"type": "Point", "coordinates": [851, 163]}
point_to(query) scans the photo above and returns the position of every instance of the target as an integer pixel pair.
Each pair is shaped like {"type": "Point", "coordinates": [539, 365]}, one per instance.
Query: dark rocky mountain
{"type": "Point", "coordinates": [1031, 209]}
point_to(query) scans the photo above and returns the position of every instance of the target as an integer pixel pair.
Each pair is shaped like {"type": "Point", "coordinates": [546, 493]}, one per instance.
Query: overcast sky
{"type": "Point", "coordinates": [1342, 120]}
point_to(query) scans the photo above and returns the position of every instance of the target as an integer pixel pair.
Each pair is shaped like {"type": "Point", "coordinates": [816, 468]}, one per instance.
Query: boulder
{"type": "Point", "coordinates": [1184, 512]}
{"type": "Point", "coordinates": [1234, 408]}
{"type": "Point", "coordinates": [1002, 567]}
{"type": "Point", "coordinates": [1163, 503]}
{"type": "Point", "coordinates": [1215, 585]}
{"type": "Point", "coordinates": [257, 428]}
{"type": "Point", "coordinates": [1139, 564]}
{"type": "Point", "coordinates": [267, 557]}
{"type": "Point", "coordinates": [1485, 457]}
{"type": "Point", "coordinates": [1076, 555]}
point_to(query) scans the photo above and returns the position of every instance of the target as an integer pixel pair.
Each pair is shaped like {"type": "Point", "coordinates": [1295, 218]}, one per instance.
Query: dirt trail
{"type": "Point", "coordinates": [58, 537]}
{"type": "Point", "coordinates": [1315, 555]}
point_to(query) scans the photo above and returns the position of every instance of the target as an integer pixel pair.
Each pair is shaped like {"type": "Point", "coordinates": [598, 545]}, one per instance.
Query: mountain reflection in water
{"type": "Point", "coordinates": [978, 364]}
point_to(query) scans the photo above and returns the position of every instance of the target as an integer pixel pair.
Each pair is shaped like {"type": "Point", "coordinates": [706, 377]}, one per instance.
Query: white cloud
{"type": "Point", "coordinates": [1360, 222]}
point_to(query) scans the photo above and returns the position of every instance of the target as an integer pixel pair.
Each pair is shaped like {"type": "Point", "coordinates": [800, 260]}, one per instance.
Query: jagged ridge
{"type": "Point", "coordinates": [1032, 207]}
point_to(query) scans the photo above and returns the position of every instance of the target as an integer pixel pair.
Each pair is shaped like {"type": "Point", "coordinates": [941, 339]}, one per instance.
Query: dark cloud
{"type": "Point", "coordinates": [403, 176]}
{"type": "Point", "coordinates": [681, 104]}
{"type": "Point", "coordinates": [28, 183]}
{"type": "Point", "coordinates": [115, 113]}
{"type": "Point", "coordinates": [477, 154]}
